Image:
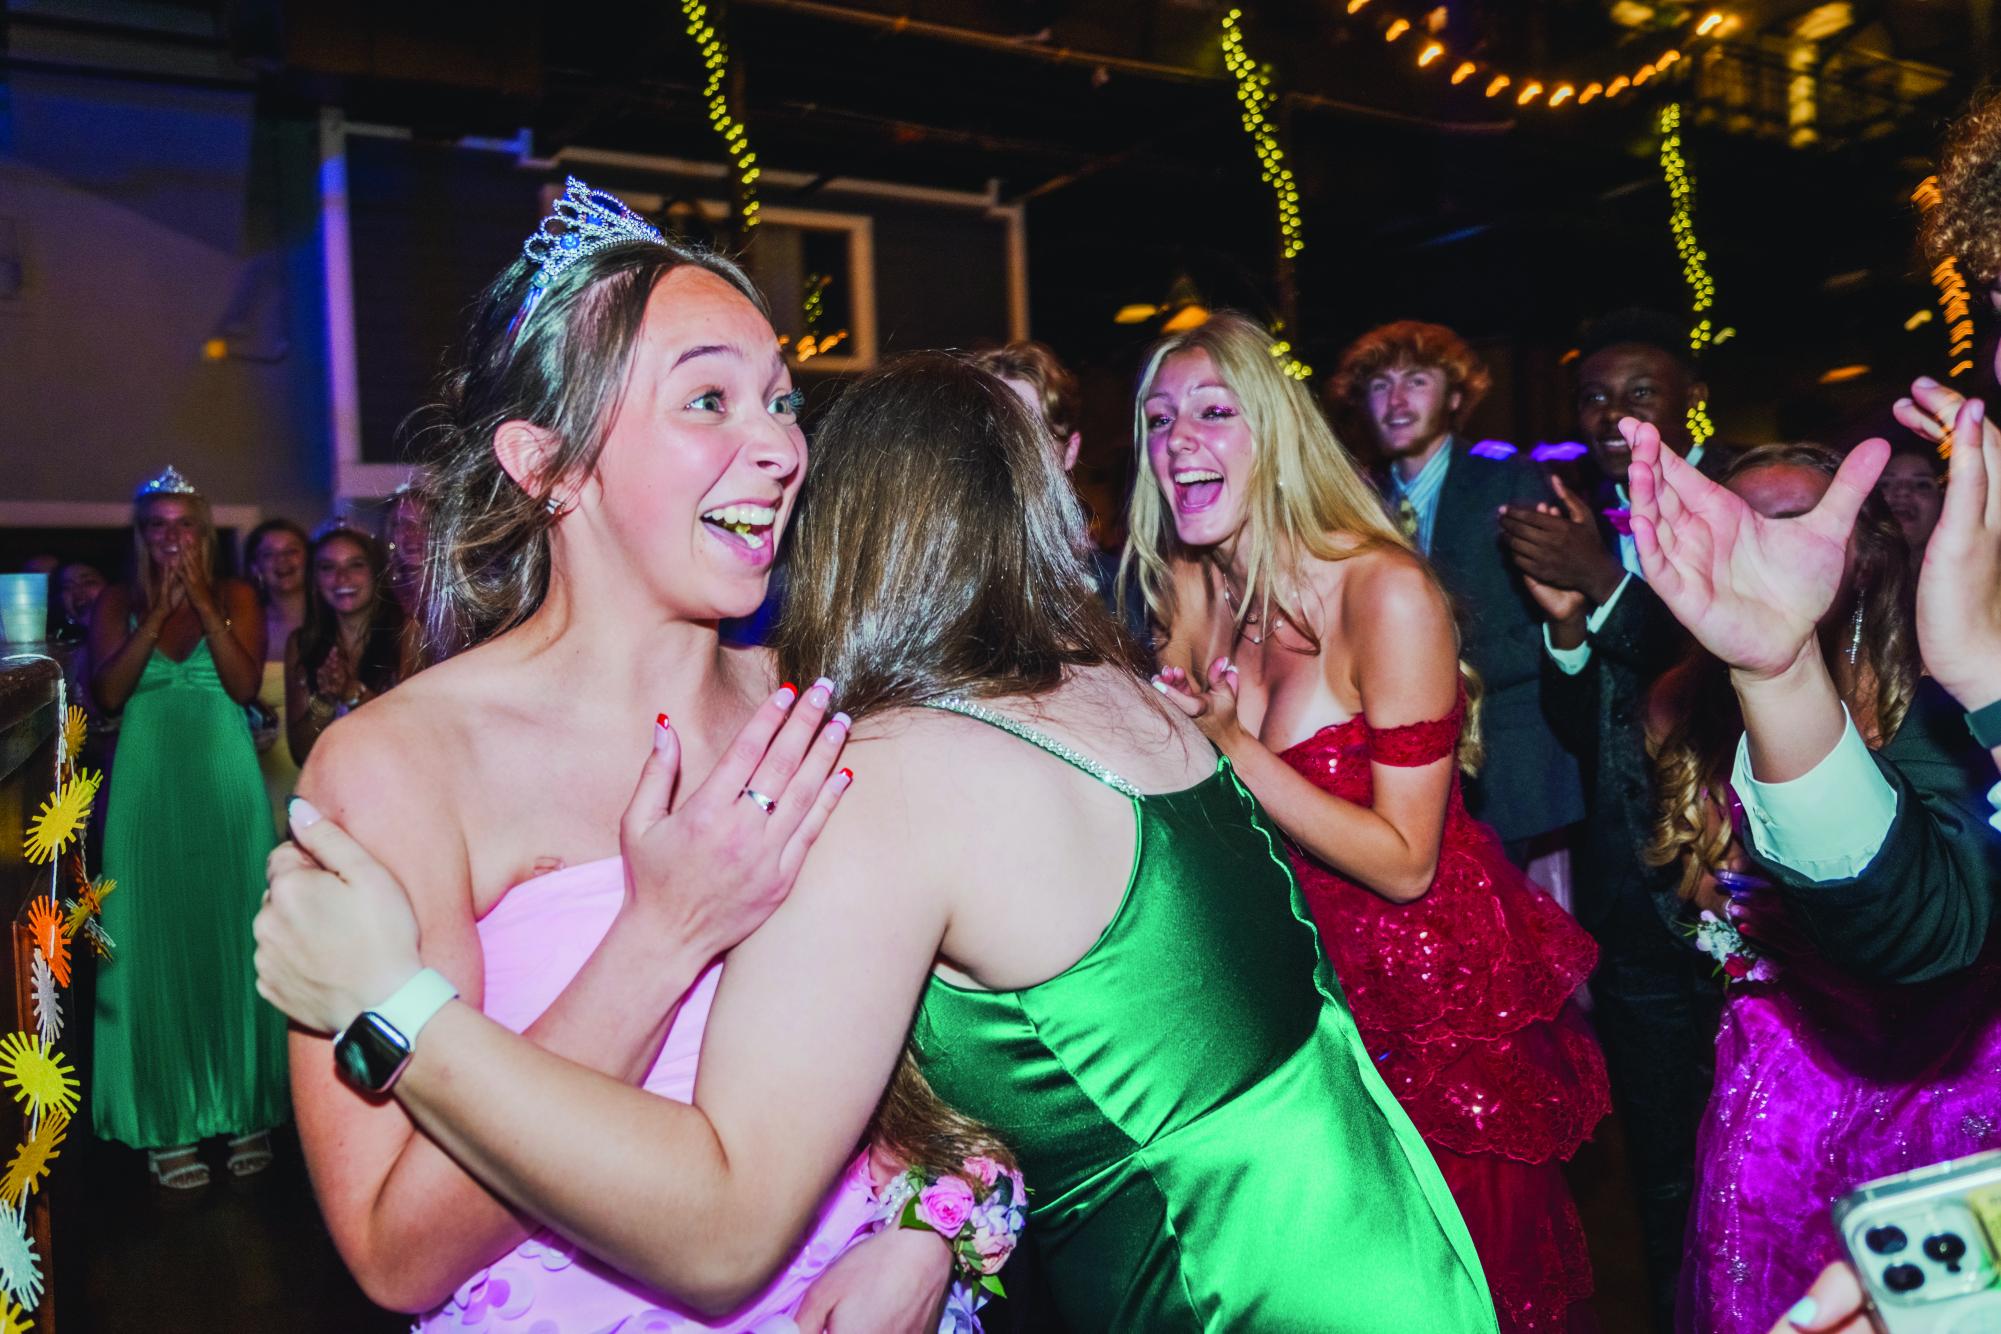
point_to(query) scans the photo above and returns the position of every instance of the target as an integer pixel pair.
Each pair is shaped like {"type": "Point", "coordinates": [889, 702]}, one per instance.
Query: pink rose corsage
{"type": "Point", "coordinates": [981, 1228]}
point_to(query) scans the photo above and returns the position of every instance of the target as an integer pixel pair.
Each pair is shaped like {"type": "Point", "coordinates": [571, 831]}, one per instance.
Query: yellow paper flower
{"type": "Point", "coordinates": [75, 729]}
{"type": "Point", "coordinates": [31, 1161]}
{"type": "Point", "coordinates": [87, 904]}
{"type": "Point", "coordinates": [40, 1076]}
{"type": "Point", "coordinates": [13, 1320]}
{"type": "Point", "coordinates": [45, 924]}
{"type": "Point", "coordinates": [62, 817]}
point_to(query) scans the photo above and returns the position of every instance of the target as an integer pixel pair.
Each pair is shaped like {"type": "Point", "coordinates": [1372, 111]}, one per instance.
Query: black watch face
{"type": "Point", "coordinates": [370, 1054]}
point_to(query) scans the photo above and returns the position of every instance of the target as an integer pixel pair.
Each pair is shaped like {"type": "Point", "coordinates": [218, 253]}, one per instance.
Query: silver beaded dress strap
{"type": "Point", "coordinates": [1040, 740]}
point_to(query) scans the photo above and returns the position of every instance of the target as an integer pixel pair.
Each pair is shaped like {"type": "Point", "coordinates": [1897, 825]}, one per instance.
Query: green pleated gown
{"type": "Point", "coordinates": [1206, 1141]}
{"type": "Point", "coordinates": [185, 1047]}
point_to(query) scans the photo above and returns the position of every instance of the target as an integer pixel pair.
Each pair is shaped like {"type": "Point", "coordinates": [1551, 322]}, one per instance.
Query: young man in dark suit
{"type": "Point", "coordinates": [1608, 639]}
{"type": "Point", "coordinates": [1416, 383]}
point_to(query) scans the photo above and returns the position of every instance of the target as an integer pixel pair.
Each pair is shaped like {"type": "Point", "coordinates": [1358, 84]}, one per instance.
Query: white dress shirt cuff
{"type": "Point", "coordinates": [1574, 660]}
{"type": "Point", "coordinates": [1831, 821]}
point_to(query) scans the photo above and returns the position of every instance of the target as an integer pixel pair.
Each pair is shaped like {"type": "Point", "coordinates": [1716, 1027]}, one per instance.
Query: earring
{"type": "Point", "coordinates": [554, 507]}
{"type": "Point", "coordinates": [1855, 636]}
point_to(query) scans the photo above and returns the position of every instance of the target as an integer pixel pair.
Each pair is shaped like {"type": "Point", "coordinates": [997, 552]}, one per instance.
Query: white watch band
{"type": "Point", "coordinates": [415, 1002]}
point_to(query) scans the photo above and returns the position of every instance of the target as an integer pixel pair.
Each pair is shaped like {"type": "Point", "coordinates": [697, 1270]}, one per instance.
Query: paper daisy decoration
{"type": "Point", "coordinates": [88, 903]}
{"type": "Point", "coordinates": [31, 1161]}
{"type": "Point", "coordinates": [20, 1267]}
{"type": "Point", "coordinates": [40, 1076]}
{"type": "Point", "coordinates": [45, 924]}
{"type": "Point", "coordinates": [13, 1320]}
{"type": "Point", "coordinates": [101, 943]}
{"type": "Point", "coordinates": [48, 1001]}
{"type": "Point", "coordinates": [62, 817]}
{"type": "Point", "coordinates": [75, 729]}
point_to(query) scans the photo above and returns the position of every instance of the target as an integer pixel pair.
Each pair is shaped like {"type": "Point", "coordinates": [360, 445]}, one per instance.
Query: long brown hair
{"type": "Point", "coordinates": [938, 550]}
{"type": "Point", "coordinates": [1694, 753]}
{"type": "Point", "coordinates": [563, 367]}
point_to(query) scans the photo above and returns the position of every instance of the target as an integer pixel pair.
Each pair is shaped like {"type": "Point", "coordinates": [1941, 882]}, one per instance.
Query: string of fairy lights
{"type": "Point", "coordinates": [1546, 91]}
{"type": "Point", "coordinates": [1702, 333]}
{"type": "Point", "coordinates": [736, 141]}
{"type": "Point", "coordinates": [1254, 93]}
{"type": "Point", "coordinates": [1955, 299]}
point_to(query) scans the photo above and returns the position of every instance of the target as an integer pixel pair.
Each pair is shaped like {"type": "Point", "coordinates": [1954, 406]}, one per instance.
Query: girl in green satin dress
{"type": "Point", "coordinates": [184, 1047]}
{"type": "Point", "coordinates": [1102, 950]}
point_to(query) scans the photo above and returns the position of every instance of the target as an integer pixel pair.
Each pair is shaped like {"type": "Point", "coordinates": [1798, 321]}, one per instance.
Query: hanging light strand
{"type": "Point", "coordinates": [1433, 52]}
{"type": "Point", "coordinates": [1702, 331]}
{"type": "Point", "coordinates": [1256, 98]}
{"type": "Point", "coordinates": [716, 65]}
{"type": "Point", "coordinates": [1955, 299]}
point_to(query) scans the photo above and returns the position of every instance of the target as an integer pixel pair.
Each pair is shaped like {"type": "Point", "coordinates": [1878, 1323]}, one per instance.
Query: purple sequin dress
{"type": "Point", "coordinates": [1824, 1083]}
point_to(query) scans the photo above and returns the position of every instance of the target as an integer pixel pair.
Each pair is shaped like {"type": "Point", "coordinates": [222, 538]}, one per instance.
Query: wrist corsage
{"type": "Point", "coordinates": [1736, 958]}
{"type": "Point", "coordinates": [980, 1228]}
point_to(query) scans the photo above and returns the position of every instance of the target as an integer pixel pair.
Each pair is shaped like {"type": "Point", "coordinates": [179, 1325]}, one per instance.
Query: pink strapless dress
{"type": "Point", "coordinates": [535, 940]}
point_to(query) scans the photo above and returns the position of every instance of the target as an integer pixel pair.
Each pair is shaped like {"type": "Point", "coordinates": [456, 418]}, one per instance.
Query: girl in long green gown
{"type": "Point", "coordinates": [185, 1049]}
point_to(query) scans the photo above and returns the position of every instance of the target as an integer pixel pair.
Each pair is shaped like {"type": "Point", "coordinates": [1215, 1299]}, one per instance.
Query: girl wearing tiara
{"type": "Point", "coordinates": [185, 1049]}
{"type": "Point", "coordinates": [1040, 866]}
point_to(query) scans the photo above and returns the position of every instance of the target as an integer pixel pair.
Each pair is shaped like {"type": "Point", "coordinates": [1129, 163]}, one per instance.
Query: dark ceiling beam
{"type": "Point", "coordinates": [945, 32]}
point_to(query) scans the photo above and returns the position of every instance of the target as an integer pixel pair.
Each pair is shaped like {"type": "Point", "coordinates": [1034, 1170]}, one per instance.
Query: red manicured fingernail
{"type": "Point", "coordinates": [786, 694]}
{"type": "Point", "coordinates": [660, 721]}
{"type": "Point", "coordinates": [847, 777]}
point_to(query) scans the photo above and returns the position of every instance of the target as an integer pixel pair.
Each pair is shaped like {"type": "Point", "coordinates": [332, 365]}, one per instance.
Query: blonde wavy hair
{"type": "Point", "coordinates": [1306, 493]}
{"type": "Point", "coordinates": [149, 579]}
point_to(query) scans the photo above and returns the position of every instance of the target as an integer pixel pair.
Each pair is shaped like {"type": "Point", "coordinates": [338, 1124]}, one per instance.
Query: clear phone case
{"type": "Point", "coordinates": [1925, 1243]}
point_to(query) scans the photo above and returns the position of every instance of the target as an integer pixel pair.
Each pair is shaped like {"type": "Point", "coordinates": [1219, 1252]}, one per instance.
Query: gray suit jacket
{"type": "Point", "coordinates": [1529, 784]}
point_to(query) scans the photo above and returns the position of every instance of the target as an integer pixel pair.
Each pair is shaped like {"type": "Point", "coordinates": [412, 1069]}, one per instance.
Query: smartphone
{"type": "Point", "coordinates": [1925, 1243]}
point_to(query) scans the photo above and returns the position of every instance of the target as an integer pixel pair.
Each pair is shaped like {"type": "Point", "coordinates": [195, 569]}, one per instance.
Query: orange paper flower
{"type": "Point", "coordinates": [45, 923]}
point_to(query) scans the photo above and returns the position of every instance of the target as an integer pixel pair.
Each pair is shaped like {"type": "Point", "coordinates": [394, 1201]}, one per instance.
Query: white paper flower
{"type": "Point", "coordinates": [48, 1001]}
{"type": "Point", "coordinates": [20, 1268]}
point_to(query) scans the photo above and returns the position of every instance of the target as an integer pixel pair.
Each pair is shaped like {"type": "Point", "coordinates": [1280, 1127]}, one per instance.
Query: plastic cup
{"type": "Point", "coordinates": [24, 607]}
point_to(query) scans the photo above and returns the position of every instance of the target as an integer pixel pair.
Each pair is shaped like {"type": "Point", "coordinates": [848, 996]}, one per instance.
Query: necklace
{"type": "Point", "coordinates": [1248, 619]}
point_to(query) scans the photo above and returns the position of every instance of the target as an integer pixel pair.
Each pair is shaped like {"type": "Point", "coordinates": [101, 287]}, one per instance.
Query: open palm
{"type": "Point", "coordinates": [1751, 589]}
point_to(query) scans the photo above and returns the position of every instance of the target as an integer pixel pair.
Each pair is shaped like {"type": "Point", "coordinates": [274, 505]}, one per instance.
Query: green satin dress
{"type": "Point", "coordinates": [185, 1047]}
{"type": "Point", "coordinates": [1206, 1142]}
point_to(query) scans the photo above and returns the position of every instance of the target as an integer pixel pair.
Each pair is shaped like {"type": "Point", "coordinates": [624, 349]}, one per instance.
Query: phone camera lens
{"type": "Point", "coordinates": [1885, 1240]}
{"type": "Point", "coordinates": [1945, 1247]}
{"type": "Point", "coordinates": [1903, 1278]}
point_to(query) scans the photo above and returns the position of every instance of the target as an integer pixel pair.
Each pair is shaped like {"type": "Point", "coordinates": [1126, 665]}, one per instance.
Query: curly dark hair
{"type": "Point", "coordinates": [1966, 221]}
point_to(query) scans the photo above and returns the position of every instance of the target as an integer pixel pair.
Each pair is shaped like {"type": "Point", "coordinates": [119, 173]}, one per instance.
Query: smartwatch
{"type": "Point", "coordinates": [371, 1052]}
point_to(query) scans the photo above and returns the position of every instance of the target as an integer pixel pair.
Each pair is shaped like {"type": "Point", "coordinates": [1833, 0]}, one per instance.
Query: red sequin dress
{"type": "Point", "coordinates": [1464, 998]}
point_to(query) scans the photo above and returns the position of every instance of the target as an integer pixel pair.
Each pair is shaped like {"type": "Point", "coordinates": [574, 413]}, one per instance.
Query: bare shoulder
{"type": "Point", "coordinates": [386, 774]}
{"type": "Point", "coordinates": [1391, 588]}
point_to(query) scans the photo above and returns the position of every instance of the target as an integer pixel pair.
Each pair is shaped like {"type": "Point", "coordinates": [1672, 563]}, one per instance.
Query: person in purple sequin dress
{"type": "Point", "coordinates": [1824, 1081]}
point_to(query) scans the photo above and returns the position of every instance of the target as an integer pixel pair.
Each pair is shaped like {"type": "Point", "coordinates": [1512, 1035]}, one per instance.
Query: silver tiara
{"type": "Point", "coordinates": [169, 483]}
{"type": "Point", "coordinates": [592, 220]}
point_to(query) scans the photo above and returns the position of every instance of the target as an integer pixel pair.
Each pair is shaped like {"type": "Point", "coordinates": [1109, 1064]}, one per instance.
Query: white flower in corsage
{"type": "Point", "coordinates": [1735, 957]}
{"type": "Point", "coordinates": [980, 1228]}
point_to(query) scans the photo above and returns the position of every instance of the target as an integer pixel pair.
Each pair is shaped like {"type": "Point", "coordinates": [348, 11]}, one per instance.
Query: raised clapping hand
{"type": "Point", "coordinates": [337, 935]}
{"type": "Point", "coordinates": [1214, 709]}
{"type": "Point", "coordinates": [1959, 589]}
{"type": "Point", "coordinates": [1750, 589]}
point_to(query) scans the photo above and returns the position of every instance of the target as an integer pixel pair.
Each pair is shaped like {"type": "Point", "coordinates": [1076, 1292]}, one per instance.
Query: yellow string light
{"type": "Point", "coordinates": [736, 143]}
{"type": "Point", "coordinates": [1711, 27]}
{"type": "Point", "coordinates": [1294, 368]}
{"type": "Point", "coordinates": [1694, 259]}
{"type": "Point", "coordinates": [1256, 98]}
{"type": "Point", "coordinates": [1955, 299]}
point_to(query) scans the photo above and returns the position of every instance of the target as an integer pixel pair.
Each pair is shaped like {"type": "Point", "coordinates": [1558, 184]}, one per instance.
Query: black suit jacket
{"type": "Point", "coordinates": [1601, 714]}
{"type": "Point", "coordinates": [1529, 783]}
{"type": "Point", "coordinates": [1922, 906]}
